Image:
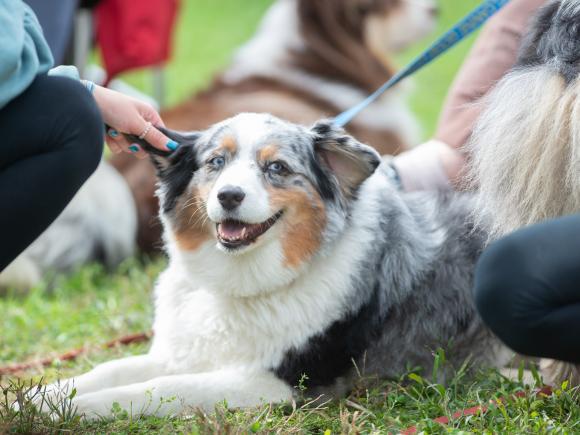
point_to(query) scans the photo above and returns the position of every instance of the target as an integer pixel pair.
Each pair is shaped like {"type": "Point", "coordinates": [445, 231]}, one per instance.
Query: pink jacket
{"type": "Point", "coordinates": [493, 55]}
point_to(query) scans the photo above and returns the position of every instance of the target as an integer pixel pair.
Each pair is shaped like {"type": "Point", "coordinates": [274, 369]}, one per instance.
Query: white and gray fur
{"type": "Point", "coordinates": [99, 224]}
{"type": "Point", "coordinates": [389, 284]}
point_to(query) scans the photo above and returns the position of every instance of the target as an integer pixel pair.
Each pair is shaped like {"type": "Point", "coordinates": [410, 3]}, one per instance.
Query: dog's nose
{"type": "Point", "coordinates": [434, 11]}
{"type": "Point", "coordinates": [230, 197]}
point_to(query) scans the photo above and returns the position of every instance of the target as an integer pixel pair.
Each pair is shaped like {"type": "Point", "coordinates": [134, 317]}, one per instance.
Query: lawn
{"type": "Point", "coordinates": [94, 306]}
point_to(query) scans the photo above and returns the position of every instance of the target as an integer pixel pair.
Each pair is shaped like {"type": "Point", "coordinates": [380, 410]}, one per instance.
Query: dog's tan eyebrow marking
{"type": "Point", "coordinates": [229, 144]}
{"type": "Point", "coordinates": [268, 153]}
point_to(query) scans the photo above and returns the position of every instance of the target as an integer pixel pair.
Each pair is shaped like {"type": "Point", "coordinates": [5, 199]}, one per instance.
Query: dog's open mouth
{"type": "Point", "coordinates": [234, 234]}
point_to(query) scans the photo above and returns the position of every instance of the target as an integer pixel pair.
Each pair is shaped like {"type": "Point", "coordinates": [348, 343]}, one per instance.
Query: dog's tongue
{"type": "Point", "coordinates": [233, 230]}
{"type": "Point", "coordinates": [236, 232]}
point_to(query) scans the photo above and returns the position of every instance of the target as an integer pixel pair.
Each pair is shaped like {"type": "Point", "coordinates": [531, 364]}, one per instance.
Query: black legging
{"type": "Point", "coordinates": [51, 142]}
{"type": "Point", "coordinates": [527, 289]}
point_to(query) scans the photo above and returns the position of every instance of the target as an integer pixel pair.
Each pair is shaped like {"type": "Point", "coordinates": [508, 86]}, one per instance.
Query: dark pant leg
{"type": "Point", "coordinates": [527, 289]}
{"type": "Point", "coordinates": [52, 140]}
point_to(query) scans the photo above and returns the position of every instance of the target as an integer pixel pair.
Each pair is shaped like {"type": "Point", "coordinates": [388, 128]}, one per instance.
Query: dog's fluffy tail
{"type": "Point", "coordinates": [526, 150]}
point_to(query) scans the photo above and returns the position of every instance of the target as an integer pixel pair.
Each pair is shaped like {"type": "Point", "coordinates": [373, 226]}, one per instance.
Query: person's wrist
{"type": "Point", "coordinates": [453, 164]}
{"type": "Point", "coordinates": [98, 90]}
{"type": "Point", "coordinates": [422, 169]}
{"type": "Point", "coordinates": [103, 99]}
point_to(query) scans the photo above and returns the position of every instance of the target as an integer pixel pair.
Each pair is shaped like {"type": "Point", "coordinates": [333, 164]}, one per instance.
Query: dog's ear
{"type": "Point", "coordinates": [163, 160]}
{"type": "Point", "coordinates": [174, 168]}
{"type": "Point", "coordinates": [350, 161]}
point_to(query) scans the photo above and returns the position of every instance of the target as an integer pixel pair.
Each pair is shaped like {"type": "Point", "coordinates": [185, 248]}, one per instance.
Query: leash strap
{"type": "Point", "coordinates": [460, 31]}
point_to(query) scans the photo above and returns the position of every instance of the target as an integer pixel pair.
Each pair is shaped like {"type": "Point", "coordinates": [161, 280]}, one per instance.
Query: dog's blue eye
{"type": "Point", "coordinates": [276, 168]}
{"type": "Point", "coordinates": [217, 162]}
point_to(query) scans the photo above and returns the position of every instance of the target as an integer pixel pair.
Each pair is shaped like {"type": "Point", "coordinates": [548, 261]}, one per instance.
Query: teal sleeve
{"type": "Point", "coordinates": [65, 71]}
{"type": "Point", "coordinates": [24, 52]}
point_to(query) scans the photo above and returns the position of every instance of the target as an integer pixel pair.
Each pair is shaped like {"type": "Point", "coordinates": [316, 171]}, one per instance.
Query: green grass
{"type": "Point", "coordinates": [93, 307]}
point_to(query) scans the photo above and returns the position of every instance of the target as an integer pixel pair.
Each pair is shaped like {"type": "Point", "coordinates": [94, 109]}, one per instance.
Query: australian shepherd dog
{"type": "Point", "coordinates": [308, 60]}
{"type": "Point", "coordinates": [526, 147]}
{"type": "Point", "coordinates": [293, 260]}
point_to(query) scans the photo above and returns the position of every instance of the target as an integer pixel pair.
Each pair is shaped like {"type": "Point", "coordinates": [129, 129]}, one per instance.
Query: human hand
{"type": "Point", "coordinates": [433, 165]}
{"type": "Point", "coordinates": [128, 115]}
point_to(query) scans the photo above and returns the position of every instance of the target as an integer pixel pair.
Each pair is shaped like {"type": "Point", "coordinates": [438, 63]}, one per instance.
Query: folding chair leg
{"type": "Point", "coordinates": [83, 39]}
{"type": "Point", "coordinates": [159, 84]}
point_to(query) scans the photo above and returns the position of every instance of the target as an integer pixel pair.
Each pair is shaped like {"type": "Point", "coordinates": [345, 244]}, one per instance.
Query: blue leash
{"type": "Point", "coordinates": [459, 32]}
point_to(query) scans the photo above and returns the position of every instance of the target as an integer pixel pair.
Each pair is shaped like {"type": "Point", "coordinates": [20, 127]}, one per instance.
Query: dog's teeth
{"type": "Point", "coordinates": [243, 232]}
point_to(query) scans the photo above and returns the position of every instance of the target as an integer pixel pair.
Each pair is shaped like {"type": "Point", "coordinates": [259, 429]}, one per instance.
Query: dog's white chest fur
{"type": "Point", "coordinates": [200, 330]}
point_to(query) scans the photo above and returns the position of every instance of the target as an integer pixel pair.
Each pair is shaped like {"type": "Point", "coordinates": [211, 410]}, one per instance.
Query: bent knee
{"type": "Point", "coordinates": [507, 293]}
{"type": "Point", "coordinates": [493, 273]}
{"type": "Point", "coordinates": [82, 127]}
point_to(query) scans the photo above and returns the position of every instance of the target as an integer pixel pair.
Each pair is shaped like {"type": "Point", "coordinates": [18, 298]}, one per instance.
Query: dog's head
{"type": "Point", "coordinates": [393, 25]}
{"type": "Point", "coordinates": [249, 202]}
{"type": "Point", "coordinates": [357, 38]}
{"type": "Point", "coordinates": [555, 39]}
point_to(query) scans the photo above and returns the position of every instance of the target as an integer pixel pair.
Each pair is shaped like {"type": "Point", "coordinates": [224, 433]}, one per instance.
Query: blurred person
{"type": "Point", "coordinates": [515, 104]}
{"type": "Point", "coordinates": [525, 160]}
{"type": "Point", "coordinates": [53, 130]}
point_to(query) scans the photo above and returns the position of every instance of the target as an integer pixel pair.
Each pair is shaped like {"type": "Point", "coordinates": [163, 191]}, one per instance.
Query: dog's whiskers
{"type": "Point", "coordinates": [189, 203]}
{"type": "Point", "coordinates": [197, 215]}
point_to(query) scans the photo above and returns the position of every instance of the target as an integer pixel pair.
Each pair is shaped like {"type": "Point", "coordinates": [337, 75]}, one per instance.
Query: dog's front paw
{"type": "Point", "coordinates": [92, 407]}
{"type": "Point", "coordinates": [103, 405]}
{"type": "Point", "coordinates": [55, 399]}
